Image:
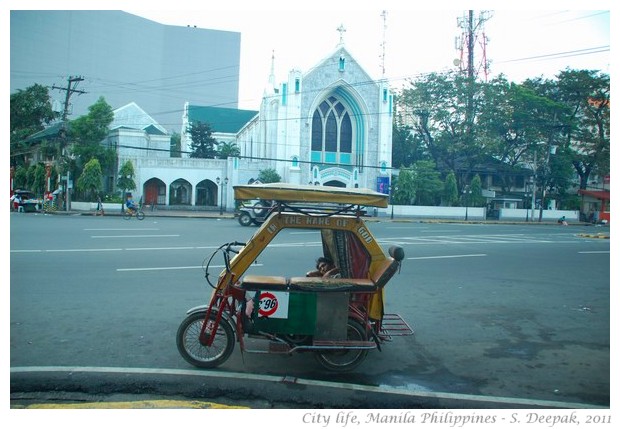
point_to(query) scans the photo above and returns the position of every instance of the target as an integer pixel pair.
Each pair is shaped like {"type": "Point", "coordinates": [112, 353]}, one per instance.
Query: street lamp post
{"type": "Point", "coordinates": [466, 193]}
{"type": "Point", "coordinates": [528, 189]}
{"type": "Point", "coordinates": [392, 190]}
{"type": "Point", "coordinates": [222, 184]}
{"type": "Point", "coordinates": [536, 178]}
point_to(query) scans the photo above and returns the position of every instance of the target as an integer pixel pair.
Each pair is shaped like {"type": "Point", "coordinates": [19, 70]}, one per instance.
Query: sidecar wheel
{"type": "Point", "coordinates": [345, 360]}
{"type": "Point", "coordinates": [203, 356]}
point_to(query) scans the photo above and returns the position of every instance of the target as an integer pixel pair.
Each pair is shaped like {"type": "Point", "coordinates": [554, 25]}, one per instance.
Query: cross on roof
{"type": "Point", "coordinates": [341, 30]}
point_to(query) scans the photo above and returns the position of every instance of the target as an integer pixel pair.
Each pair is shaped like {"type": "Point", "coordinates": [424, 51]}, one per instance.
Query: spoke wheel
{"type": "Point", "coordinates": [197, 354]}
{"type": "Point", "coordinates": [140, 215]}
{"type": "Point", "coordinates": [126, 215]}
{"type": "Point", "coordinates": [345, 360]}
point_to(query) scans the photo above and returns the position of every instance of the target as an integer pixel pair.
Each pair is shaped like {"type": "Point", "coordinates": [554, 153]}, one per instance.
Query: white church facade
{"type": "Point", "coordinates": [329, 126]}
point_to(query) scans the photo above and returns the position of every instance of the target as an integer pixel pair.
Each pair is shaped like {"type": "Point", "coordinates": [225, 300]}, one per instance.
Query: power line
{"type": "Point", "coordinates": [565, 54]}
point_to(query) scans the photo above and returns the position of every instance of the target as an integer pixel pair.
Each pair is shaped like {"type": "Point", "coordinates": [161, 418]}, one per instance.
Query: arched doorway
{"type": "Point", "coordinates": [155, 192]}
{"type": "Point", "coordinates": [206, 193]}
{"type": "Point", "coordinates": [335, 184]}
{"type": "Point", "coordinates": [180, 193]}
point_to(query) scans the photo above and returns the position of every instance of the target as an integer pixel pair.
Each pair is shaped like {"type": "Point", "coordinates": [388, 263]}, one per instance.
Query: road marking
{"type": "Point", "coordinates": [121, 229]}
{"type": "Point", "coordinates": [64, 250]}
{"type": "Point", "coordinates": [595, 251]}
{"type": "Point", "coordinates": [135, 236]}
{"type": "Point", "coordinates": [174, 268]}
{"type": "Point", "coordinates": [159, 268]}
{"type": "Point", "coordinates": [136, 405]}
{"type": "Point", "coordinates": [159, 248]}
{"type": "Point", "coordinates": [450, 256]}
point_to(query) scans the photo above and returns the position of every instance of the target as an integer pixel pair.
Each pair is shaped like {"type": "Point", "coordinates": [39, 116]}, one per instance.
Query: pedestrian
{"type": "Point", "coordinates": [16, 199]}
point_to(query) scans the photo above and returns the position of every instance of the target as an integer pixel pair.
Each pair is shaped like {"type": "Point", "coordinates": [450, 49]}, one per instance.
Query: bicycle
{"type": "Point", "coordinates": [128, 213]}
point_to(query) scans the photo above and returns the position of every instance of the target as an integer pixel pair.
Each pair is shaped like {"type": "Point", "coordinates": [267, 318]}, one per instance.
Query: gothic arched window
{"type": "Point", "coordinates": [332, 132]}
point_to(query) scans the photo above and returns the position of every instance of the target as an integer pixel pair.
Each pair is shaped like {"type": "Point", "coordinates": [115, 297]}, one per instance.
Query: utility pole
{"type": "Point", "coordinates": [72, 82]}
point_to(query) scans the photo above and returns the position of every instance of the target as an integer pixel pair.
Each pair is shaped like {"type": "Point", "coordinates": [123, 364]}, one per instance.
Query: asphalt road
{"type": "Point", "coordinates": [499, 311]}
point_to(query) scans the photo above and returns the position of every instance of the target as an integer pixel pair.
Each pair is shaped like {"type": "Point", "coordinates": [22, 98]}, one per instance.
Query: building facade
{"type": "Point", "coordinates": [124, 58]}
{"type": "Point", "coordinates": [329, 126]}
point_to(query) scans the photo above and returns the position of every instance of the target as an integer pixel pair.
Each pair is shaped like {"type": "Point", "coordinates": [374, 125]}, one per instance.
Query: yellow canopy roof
{"type": "Point", "coordinates": [311, 194]}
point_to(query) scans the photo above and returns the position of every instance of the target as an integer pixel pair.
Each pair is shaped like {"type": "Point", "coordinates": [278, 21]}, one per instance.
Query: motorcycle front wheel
{"type": "Point", "coordinates": [345, 360]}
{"type": "Point", "coordinates": [194, 352]}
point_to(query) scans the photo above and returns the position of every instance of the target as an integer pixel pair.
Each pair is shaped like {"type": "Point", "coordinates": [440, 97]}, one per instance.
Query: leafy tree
{"type": "Point", "coordinates": [30, 111]}
{"type": "Point", "coordinates": [269, 175]}
{"type": "Point", "coordinates": [20, 179]}
{"type": "Point", "coordinates": [514, 119]}
{"type": "Point", "coordinates": [88, 131]}
{"type": "Point", "coordinates": [175, 145]}
{"type": "Point", "coordinates": [203, 143]}
{"type": "Point", "coordinates": [407, 147]}
{"type": "Point", "coordinates": [125, 178]}
{"type": "Point", "coordinates": [586, 93]}
{"type": "Point", "coordinates": [91, 179]}
{"type": "Point", "coordinates": [560, 176]}
{"type": "Point", "coordinates": [30, 173]}
{"type": "Point", "coordinates": [404, 190]}
{"type": "Point", "coordinates": [427, 183]}
{"type": "Point", "coordinates": [450, 190]}
{"type": "Point", "coordinates": [445, 107]}
{"type": "Point", "coordinates": [38, 183]}
{"type": "Point", "coordinates": [228, 149]}
{"type": "Point", "coordinates": [475, 198]}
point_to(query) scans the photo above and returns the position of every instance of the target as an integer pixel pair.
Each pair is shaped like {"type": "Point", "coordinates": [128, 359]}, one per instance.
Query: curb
{"type": "Point", "coordinates": [600, 235]}
{"type": "Point", "coordinates": [212, 388]}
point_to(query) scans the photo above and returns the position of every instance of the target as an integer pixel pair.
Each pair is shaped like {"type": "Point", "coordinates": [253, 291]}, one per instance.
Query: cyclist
{"type": "Point", "coordinates": [131, 205]}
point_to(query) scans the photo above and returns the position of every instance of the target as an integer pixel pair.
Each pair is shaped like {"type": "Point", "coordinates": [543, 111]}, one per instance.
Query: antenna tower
{"type": "Point", "coordinates": [471, 40]}
{"type": "Point", "coordinates": [384, 16]}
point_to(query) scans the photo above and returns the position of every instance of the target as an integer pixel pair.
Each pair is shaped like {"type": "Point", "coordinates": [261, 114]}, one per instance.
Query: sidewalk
{"type": "Point", "coordinates": [214, 214]}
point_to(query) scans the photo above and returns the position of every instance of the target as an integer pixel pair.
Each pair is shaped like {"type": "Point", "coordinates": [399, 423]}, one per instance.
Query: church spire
{"type": "Point", "coordinates": [272, 75]}
{"type": "Point", "coordinates": [271, 84]}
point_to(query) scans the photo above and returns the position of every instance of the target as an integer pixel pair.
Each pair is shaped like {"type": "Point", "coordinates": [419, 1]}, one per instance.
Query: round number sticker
{"type": "Point", "coordinates": [267, 304]}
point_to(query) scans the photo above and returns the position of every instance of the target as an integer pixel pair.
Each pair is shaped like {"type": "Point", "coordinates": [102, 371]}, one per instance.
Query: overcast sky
{"type": "Point", "coordinates": [520, 43]}
{"type": "Point", "coordinates": [522, 40]}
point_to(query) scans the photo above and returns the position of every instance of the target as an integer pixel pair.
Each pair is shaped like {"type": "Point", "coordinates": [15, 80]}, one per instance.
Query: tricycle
{"type": "Point", "coordinates": [339, 318]}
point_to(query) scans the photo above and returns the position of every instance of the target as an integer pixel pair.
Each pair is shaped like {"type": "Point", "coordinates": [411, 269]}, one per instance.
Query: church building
{"type": "Point", "coordinates": [331, 125]}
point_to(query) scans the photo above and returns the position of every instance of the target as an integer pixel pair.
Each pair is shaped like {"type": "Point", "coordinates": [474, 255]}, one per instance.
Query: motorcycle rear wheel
{"type": "Point", "coordinates": [345, 360]}
{"type": "Point", "coordinates": [197, 354]}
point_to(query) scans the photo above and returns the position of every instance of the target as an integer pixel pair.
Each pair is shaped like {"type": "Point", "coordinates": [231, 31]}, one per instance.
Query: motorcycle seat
{"type": "Point", "coordinates": [319, 284]}
{"type": "Point", "coordinates": [255, 282]}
